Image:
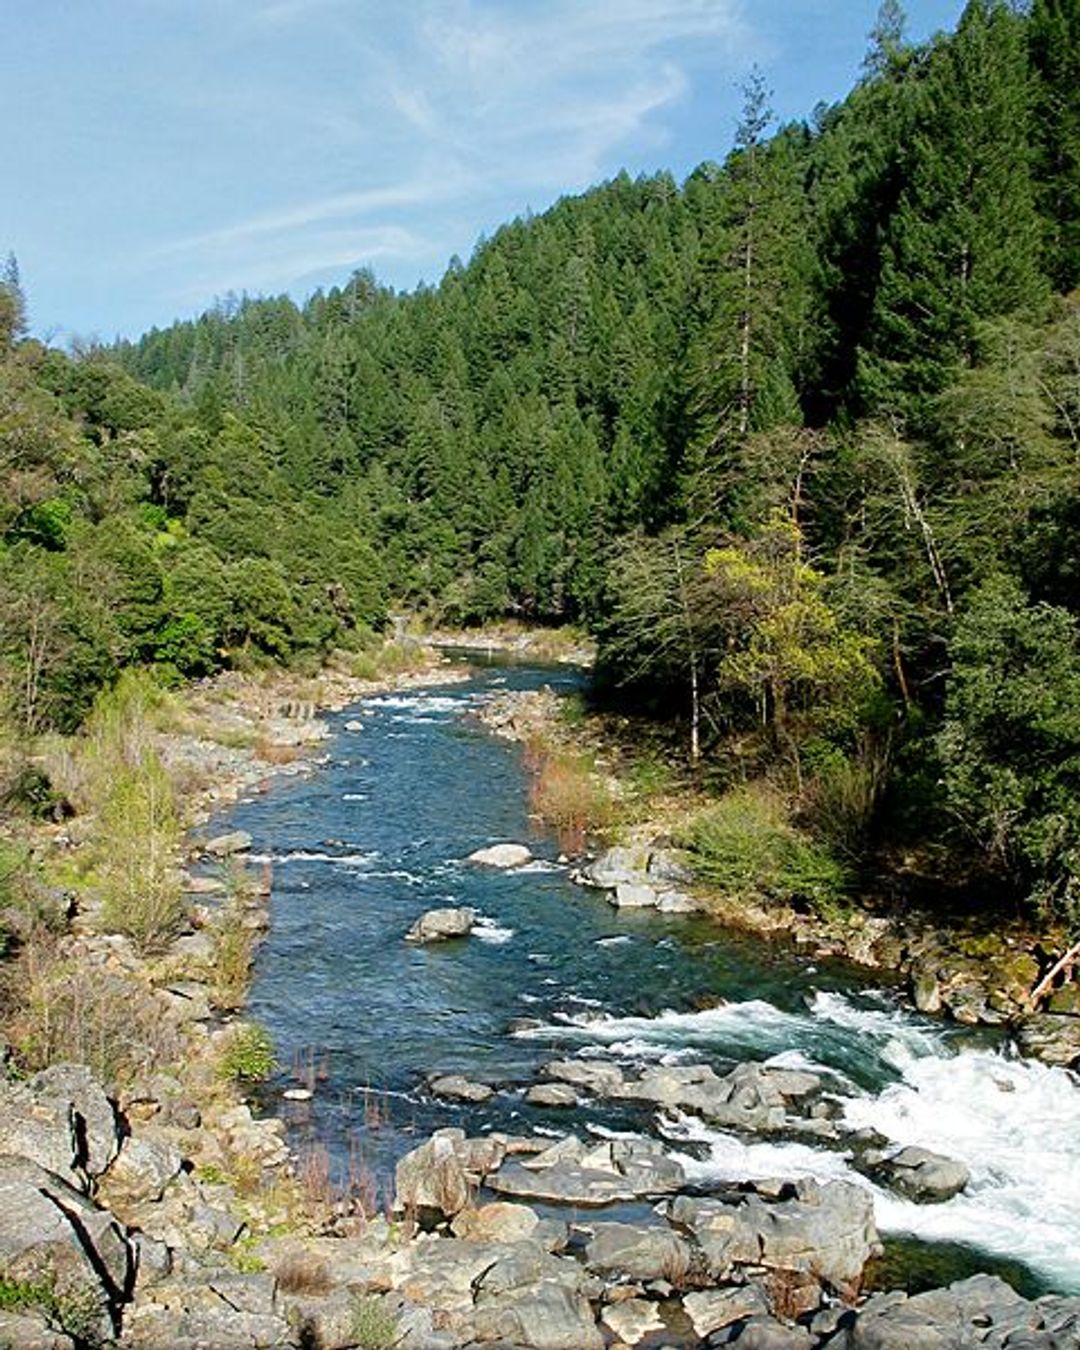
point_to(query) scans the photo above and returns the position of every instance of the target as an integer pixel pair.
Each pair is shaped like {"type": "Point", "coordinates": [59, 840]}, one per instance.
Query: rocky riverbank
{"type": "Point", "coordinates": [112, 1232]}
{"type": "Point", "coordinates": [163, 1213]}
{"type": "Point", "coordinates": [974, 975]}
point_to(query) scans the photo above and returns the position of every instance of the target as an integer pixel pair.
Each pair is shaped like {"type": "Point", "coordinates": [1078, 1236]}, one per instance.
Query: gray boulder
{"type": "Point", "coordinates": [928, 1178]}
{"type": "Point", "coordinates": [439, 924]}
{"type": "Point", "coordinates": [633, 895]}
{"type": "Point", "coordinates": [640, 1252]}
{"type": "Point", "coordinates": [982, 1310]}
{"type": "Point", "coordinates": [824, 1233]}
{"type": "Point", "coordinates": [551, 1094]}
{"type": "Point", "coordinates": [51, 1234]}
{"type": "Point", "coordinates": [713, 1309]}
{"type": "Point", "coordinates": [225, 845]}
{"type": "Point", "coordinates": [501, 855]}
{"type": "Point", "coordinates": [573, 1173]}
{"type": "Point", "coordinates": [593, 1075]}
{"type": "Point", "coordinates": [456, 1087]}
{"type": "Point", "coordinates": [433, 1176]}
{"type": "Point", "coordinates": [62, 1120]}
{"type": "Point", "coordinates": [632, 1320]}
{"type": "Point", "coordinates": [1051, 1037]}
{"type": "Point", "coordinates": [142, 1170]}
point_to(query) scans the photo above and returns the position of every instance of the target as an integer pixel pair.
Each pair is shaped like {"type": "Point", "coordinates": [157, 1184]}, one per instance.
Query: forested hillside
{"type": "Point", "coordinates": [798, 438]}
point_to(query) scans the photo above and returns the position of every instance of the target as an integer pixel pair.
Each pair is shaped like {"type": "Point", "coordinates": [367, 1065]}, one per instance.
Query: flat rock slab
{"type": "Point", "coordinates": [439, 924]}
{"type": "Point", "coordinates": [632, 1320]}
{"type": "Point", "coordinates": [501, 855]}
{"type": "Point", "coordinates": [552, 1094]}
{"type": "Point", "coordinates": [457, 1088]}
{"type": "Point", "coordinates": [225, 845]}
{"type": "Point", "coordinates": [572, 1173]}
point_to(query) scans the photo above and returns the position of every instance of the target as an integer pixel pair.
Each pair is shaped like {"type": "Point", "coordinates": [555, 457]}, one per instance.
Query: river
{"type": "Point", "coordinates": [380, 832]}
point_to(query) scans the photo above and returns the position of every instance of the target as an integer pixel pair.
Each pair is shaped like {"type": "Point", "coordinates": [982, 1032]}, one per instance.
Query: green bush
{"type": "Point", "coordinates": [746, 846]}
{"type": "Point", "coordinates": [374, 1326]}
{"type": "Point", "coordinates": [248, 1054]}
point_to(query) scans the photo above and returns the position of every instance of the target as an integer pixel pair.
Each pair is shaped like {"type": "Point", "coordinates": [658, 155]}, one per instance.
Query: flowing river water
{"type": "Point", "coordinates": [379, 833]}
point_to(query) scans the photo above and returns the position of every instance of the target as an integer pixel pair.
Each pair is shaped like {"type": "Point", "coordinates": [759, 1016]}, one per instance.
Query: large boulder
{"type": "Point", "coordinates": [923, 1176]}
{"type": "Point", "coordinates": [573, 1173]}
{"type": "Point", "coordinates": [982, 1310]}
{"type": "Point", "coordinates": [813, 1236]}
{"type": "Point", "coordinates": [752, 1097]}
{"type": "Point", "coordinates": [52, 1237]}
{"type": "Point", "coordinates": [439, 924]}
{"type": "Point", "coordinates": [62, 1120]}
{"type": "Point", "coordinates": [501, 855]}
{"type": "Point", "coordinates": [1051, 1037]}
{"type": "Point", "coordinates": [142, 1170]}
{"type": "Point", "coordinates": [443, 1174]}
{"type": "Point", "coordinates": [643, 1253]}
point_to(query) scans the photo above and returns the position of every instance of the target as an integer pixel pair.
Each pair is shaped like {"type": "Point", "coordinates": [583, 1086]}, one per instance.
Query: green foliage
{"type": "Point", "coordinates": [1010, 740]}
{"type": "Point", "coordinates": [374, 1326]}
{"type": "Point", "coordinates": [247, 1055]}
{"type": "Point", "coordinates": [746, 846]}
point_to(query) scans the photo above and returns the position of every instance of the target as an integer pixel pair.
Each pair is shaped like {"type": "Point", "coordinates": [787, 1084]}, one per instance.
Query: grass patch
{"type": "Point", "coordinates": [374, 1326]}
{"type": "Point", "coordinates": [746, 845]}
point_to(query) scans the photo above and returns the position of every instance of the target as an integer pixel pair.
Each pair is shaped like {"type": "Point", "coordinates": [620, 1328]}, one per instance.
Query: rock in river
{"type": "Point", "coordinates": [225, 845]}
{"type": "Point", "coordinates": [501, 855]}
{"type": "Point", "coordinates": [438, 924]}
{"type": "Point", "coordinates": [928, 1178]}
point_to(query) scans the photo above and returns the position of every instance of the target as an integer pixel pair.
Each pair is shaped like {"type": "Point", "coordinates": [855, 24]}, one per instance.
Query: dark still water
{"type": "Point", "coordinates": [380, 833]}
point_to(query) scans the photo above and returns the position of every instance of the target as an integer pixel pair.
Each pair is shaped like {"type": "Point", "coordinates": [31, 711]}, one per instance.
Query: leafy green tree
{"type": "Point", "coordinates": [1010, 741]}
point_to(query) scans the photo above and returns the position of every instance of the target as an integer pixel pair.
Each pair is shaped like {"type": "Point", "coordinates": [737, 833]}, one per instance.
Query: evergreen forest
{"type": "Point", "coordinates": [797, 439]}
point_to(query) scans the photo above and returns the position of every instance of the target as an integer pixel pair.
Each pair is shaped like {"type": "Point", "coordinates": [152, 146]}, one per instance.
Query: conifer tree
{"type": "Point", "coordinates": [964, 242]}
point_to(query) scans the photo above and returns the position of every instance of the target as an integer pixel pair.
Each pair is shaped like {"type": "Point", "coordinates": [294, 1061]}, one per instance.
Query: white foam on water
{"type": "Point", "coordinates": [487, 930]}
{"type": "Point", "coordinates": [398, 874]}
{"type": "Point", "coordinates": [313, 856]}
{"type": "Point", "coordinates": [750, 1024]}
{"type": "Point", "coordinates": [614, 941]}
{"type": "Point", "coordinates": [1016, 1125]}
{"type": "Point", "coordinates": [419, 703]}
{"type": "Point", "coordinates": [636, 1049]}
{"type": "Point", "coordinates": [354, 796]}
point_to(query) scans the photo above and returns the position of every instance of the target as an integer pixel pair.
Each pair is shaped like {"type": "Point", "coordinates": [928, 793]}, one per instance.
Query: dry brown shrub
{"type": "Point", "coordinates": [302, 1272]}
{"type": "Point", "coordinates": [566, 792]}
{"type": "Point", "coordinates": [56, 1007]}
{"type": "Point", "coordinates": [274, 752]}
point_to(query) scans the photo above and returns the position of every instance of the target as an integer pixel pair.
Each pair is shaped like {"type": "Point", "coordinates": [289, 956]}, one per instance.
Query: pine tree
{"type": "Point", "coordinates": [964, 242]}
{"type": "Point", "coordinates": [1054, 38]}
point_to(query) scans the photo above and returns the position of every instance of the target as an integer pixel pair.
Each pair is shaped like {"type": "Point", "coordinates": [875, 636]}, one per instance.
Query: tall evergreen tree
{"type": "Point", "coordinates": [964, 241]}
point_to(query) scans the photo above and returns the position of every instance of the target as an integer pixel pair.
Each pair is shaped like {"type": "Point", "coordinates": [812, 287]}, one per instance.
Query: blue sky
{"type": "Point", "coordinates": [159, 153]}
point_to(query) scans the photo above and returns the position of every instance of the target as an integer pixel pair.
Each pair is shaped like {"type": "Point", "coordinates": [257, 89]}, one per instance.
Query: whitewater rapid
{"type": "Point", "coordinates": [1015, 1123]}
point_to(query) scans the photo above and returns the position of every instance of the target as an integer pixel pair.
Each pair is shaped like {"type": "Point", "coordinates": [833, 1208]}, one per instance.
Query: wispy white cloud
{"type": "Point", "coordinates": [388, 129]}
{"type": "Point", "coordinates": [294, 218]}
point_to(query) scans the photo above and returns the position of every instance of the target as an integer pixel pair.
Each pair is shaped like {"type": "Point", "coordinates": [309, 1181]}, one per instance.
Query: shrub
{"type": "Point", "coordinates": [374, 1326]}
{"type": "Point", "coordinates": [843, 793]}
{"type": "Point", "coordinates": [247, 1055]}
{"type": "Point", "coordinates": [137, 837]}
{"type": "Point", "coordinates": [233, 950]}
{"type": "Point", "coordinates": [56, 1007]}
{"type": "Point", "coordinates": [746, 845]}
{"type": "Point", "coordinates": [301, 1272]}
{"type": "Point", "coordinates": [567, 793]}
